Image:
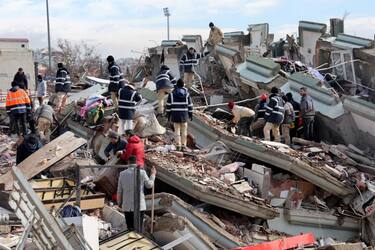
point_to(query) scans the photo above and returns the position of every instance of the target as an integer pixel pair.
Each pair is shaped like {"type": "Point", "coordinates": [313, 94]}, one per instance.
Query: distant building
{"type": "Point", "coordinates": [14, 54]}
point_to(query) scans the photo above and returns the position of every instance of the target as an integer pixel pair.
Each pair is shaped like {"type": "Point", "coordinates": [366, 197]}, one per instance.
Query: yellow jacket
{"type": "Point", "coordinates": [215, 37]}
{"type": "Point", "coordinates": [240, 111]}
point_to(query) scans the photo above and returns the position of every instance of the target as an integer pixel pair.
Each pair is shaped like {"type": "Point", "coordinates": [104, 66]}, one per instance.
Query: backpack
{"type": "Point", "coordinates": [95, 115]}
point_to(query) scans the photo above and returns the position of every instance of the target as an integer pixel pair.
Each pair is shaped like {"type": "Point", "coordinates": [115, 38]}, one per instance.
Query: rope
{"type": "Point", "coordinates": [226, 103]}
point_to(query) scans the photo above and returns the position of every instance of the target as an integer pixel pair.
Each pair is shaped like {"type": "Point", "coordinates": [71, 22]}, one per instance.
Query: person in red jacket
{"type": "Point", "coordinates": [134, 147]}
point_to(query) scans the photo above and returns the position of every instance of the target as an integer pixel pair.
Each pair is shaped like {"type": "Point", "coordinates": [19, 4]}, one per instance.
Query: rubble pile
{"type": "Point", "coordinates": [8, 153]}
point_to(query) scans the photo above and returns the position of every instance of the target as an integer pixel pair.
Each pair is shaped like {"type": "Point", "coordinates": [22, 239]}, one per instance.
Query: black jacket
{"type": "Point", "coordinates": [275, 110]}
{"type": "Point", "coordinates": [164, 79]}
{"type": "Point", "coordinates": [260, 110]}
{"type": "Point", "coordinates": [188, 61]}
{"type": "Point", "coordinates": [119, 145]}
{"type": "Point", "coordinates": [21, 80]}
{"type": "Point", "coordinates": [128, 98]}
{"type": "Point", "coordinates": [116, 78]}
{"type": "Point", "coordinates": [179, 106]}
{"type": "Point", "coordinates": [30, 145]}
{"type": "Point", "coordinates": [62, 83]}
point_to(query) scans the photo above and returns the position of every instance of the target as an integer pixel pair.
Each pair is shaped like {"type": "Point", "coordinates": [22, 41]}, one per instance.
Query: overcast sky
{"type": "Point", "coordinates": [119, 27]}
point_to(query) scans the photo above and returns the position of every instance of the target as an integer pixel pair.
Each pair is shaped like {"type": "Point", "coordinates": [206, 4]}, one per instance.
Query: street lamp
{"type": "Point", "coordinates": [49, 41]}
{"type": "Point", "coordinates": [167, 14]}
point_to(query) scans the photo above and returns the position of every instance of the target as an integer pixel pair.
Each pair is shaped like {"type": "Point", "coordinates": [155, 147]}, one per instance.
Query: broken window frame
{"type": "Point", "coordinates": [343, 64]}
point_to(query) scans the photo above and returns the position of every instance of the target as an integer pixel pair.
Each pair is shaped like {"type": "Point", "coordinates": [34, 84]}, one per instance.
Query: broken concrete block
{"type": "Point", "coordinates": [243, 187]}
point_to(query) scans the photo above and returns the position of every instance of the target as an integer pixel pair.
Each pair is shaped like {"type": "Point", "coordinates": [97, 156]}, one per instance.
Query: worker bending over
{"type": "Point", "coordinates": [274, 116]}
{"type": "Point", "coordinates": [135, 147]}
{"type": "Point", "coordinates": [165, 82]}
{"type": "Point", "coordinates": [187, 63]}
{"type": "Point", "coordinates": [44, 116]}
{"type": "Point", "coordinates": [242, 117]}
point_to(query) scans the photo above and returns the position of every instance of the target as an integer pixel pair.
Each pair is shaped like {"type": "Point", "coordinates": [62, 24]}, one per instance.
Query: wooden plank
{"type": "Point", "coordinates": [45, 157]}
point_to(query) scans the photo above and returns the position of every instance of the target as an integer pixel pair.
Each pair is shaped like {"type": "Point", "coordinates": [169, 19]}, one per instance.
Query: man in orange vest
{"type": "Point", "coordinates": [17, 106]}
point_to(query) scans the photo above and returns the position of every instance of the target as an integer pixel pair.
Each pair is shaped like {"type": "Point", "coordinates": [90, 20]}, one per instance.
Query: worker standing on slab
{"type": "Point", "coordinates": [128, 99]}
{"type": "Point", "coordinates": [274, 116]}
{"type": "Point", "coordinates": [165, 82]}
{"type": "Point", "coordinates": [307, 114]}
{"type": "Point", "coordinates": [135, 147]}
{"type": "Point", "coordinates": [44, 118]}
{"type": "Point", "coordinates": [21, 79]}
{"type": "Point", "coordinates": [242, 117]}
{"type": "Point", "coordinates": [62, 86]}
{"type": "Point", "coordinates": [41, 89]}
{"type": "Point", "coordinates": [18, 106]}
{"type": "Point", "coordinates": [179, 110]}
{"type": "Point", "coordinates": [288, 120]}
{"type": "Point", "coordinates": [259, 121]}
{"type": "Point", "coordinates": [187, 63]}
{"type": "Point", "coordinates": [116, 79]}
{"type": "Point", "coordinates": [125, 192]}
{"type": "Point", "coordinates": [216, 36]}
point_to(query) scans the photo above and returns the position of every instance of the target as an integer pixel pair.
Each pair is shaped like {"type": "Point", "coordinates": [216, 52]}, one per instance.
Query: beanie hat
{"type": "Point", "coordinates": [110, 58]}
{"type": "Point", "coordinates": [230, 105]}
{"type": "Point", "coordinates": [263, 97]}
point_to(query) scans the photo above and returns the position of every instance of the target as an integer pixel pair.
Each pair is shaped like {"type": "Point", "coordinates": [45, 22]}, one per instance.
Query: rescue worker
{"type": "Point", "coordinates": [135, 147]}
{"type": "Point", "coordinates": [41, 89]}
{"type": "Point", "coordinates": [116, 145]}
{"type": "Point", "coordinates": [296, 108]}
{"type": "Point", "coordinates": [128, 99]}
{"type": "Point", "coordinates": [27, 145]}
{"type": "Point", "coordinates": [21, 79]}
{"type": "Point", "coordinates": [288, 120]}
{"type": "Point", "coordinates": [187, 63]}
{"type": "Point", "coordinates": [116, 80]}
{"type": "Point", "coordinates": [126, 190]}
{"type": "Point", "coordinates": [44, 118]}
{"type": "Point", "coordinates": [260, 111]}
{"type": "Point", "coordinates": [165, 82]}
{"type": "Point", "coordinates": [179, 110]}
{"type": "Point", "coordinates": [274, 116]}
{"type": "Point", "coordinates": [242, 116]}
{"type": "Point", "coordinates": [17, 106]}
{"type": "Point", "coordinates": [62, 86]}
{"type": "Point", "coordinates": [307, 114]}
{"type": "Point", "coordinates": [216, 36]}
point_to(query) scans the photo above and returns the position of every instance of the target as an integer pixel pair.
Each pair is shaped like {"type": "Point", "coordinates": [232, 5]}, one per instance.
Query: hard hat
{"type": "Point", "coordinates": [263, 97]}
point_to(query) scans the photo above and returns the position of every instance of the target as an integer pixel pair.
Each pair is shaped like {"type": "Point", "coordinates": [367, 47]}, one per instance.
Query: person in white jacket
{"type": "Point", "coordinates": [41, 89]}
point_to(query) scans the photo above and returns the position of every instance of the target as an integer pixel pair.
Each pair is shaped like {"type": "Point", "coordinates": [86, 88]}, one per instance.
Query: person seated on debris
{"type": "Point", "coordinates": [18, 106]}
{"type": "Point", "coordinates": [307, 114]}
{"type": "Point", "coordinates": [126, 189]}
{"type": "Point", "coordinates": [44, 116]}
{"type": "Point", "coordinates": [260, 110]}
{"type": "Point", "coordinates": [216, 36]}
{"type": "Point", "coordinates": [116, 146]}
{"type": "Point", "coordinates": [26, 146]}
{"type": "Point", "coordinates": [187, 63]}
{"type": "Point", "coordinates": [179, 110]}
{"type": "Point", "coordinates": [116, 79]}
{"type": "Point", "coordinates": [165, 82]}
{"type": "Point", "coordinates": [135, 147]}
{"type": "Point", "coordinates": [128, 99]}
{"type": "Point", "coordinates": [242, 116]}
{"type": "Point", "coordinates": [288, 120]}
{"type": "Point", "coordinates": [274, 116]}
{"type": "Point", "coordinates": [62, 86]}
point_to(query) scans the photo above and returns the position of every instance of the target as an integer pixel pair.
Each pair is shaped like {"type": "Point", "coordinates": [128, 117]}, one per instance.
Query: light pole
{"type": "Point", "coordinates": [167, 14]}
{"type": "Point", "coordinates": [49, 41]}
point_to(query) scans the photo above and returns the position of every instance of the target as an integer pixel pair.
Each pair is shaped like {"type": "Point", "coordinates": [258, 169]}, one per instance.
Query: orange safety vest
{"type": "Point", "coordinates": [17, 101]}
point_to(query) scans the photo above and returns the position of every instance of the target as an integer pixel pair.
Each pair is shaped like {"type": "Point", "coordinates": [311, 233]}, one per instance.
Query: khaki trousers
{"type": "Point", "coordinates": [180, 130]}
{"type": "Point", "coordinates": [188, 79]}
{"type": "Point", "coordinates": [275, 131]}
{"type": "Point", "coordinates": [114, 99]}
{"type": "Point", "coordinates": [285, 130]}
{"type": "Point", "coordinates": [161, 96]}
{"type": "Point", "coordinates": [44, 128]}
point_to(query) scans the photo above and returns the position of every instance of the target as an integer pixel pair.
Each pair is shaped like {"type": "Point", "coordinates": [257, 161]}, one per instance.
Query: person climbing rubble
{"type": "Point", "coordinates": [179, 110]}
{"type": "Point", "coordinates": [288, 120]}
{"type": "Point", "coordinates": [126, 189]}
{"type": "Point", "coordinates": [165, 82]}
{"type": "Point", "coordinates": [243, 118]}
{"type": "Point", "coordinates": [128, 99]}
{"type": "Point", "coordinates": [135, 147]}
{"type": "Point", "coordinates": [187, 63]}
{"type": "Point", "coordinates": [258, 123]}
{"type": "Point", "coordinates": [216, 36]}
{"type": "Point", "coordinates": [62, 86]}
{"type": "Point", "coordinates": [18, 106]}
{"type": "Point", "coordinates": [307, 114]}
{"type": "Point", "coordinates": [274, 116]}
{"type": "Point", "coordinates": [44, 116]}
{"type": "Point", "coordinates": [116, 145]}
{"type": "Point", "coordinates": [116, 79]}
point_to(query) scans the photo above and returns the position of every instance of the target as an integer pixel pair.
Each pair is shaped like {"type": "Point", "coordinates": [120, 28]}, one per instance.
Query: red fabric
{"type": "Point", "coordinates": [263, 97]}
{"type": "Point", "coordinates": [300, 121]}
{"type": "Point", "coordinates": [230, 105]}
{"type": "Point", "coordinates": [135, 147]}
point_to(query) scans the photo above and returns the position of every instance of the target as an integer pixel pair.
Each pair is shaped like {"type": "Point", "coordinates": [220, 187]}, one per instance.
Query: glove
{"type": "Point", "coordinates": [300, 122]}
{"type": "Point", "coordinates": [118, 153]}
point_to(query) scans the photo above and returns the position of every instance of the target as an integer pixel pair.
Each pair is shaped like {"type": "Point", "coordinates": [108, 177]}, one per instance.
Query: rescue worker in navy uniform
{"type": "Point", "coordinates": [187, 63]}
{"type": "Point", "coordinates": [307, 114]}
{"type": "Point", "coordinates": [62, 85]}
{"type": "Point", "coordinates": [258, 123]}
{"type": "Point", "coordinates": [274, 116]}
{"type": "Point", "coordinates": [179, 110]}
{"type": "Point", "coordinates": [128, 99]}
{"type": "Point", "coordinates": [165, 82]}
{"type": "Point", "coordinates": [116, 80]}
